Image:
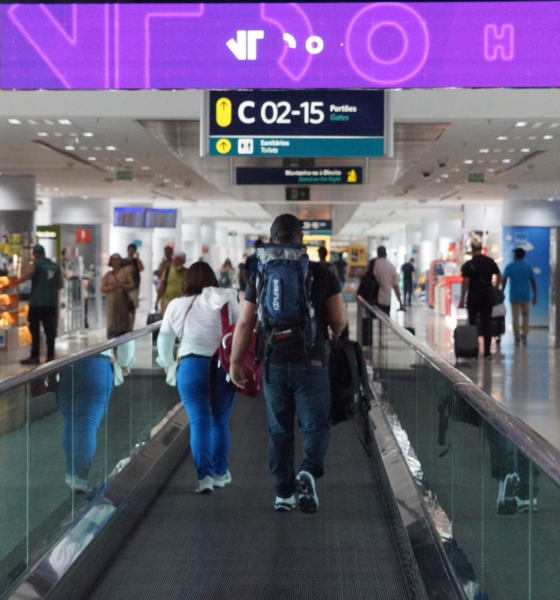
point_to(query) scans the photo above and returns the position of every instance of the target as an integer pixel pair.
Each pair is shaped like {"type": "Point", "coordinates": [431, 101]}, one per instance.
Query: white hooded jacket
{"type": "Point", "coordinates": [202, 329]}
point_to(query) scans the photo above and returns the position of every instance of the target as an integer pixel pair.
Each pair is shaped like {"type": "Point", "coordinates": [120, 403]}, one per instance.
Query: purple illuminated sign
{"type": "Point", "coordinates": [331, 45]}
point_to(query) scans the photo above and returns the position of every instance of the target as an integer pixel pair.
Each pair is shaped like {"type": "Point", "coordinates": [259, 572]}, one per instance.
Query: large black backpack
{"type": "Point", "coordinates": [287, 325]}
{"type": "Point", "coordinates": [369, 288]}
{"type": "Point", "coordinates": [350, 390]}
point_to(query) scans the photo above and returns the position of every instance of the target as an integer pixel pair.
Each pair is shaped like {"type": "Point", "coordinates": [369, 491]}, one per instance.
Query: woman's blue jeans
{"type": "Point", "coordinates": [303, 390]}
{"type": "Point", "coordinates": [83, 395]}
{"type": "Point", "coordinates": [209, 426]}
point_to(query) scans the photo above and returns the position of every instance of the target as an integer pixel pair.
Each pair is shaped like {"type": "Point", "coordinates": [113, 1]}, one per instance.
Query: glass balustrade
{"type": "Point", "coordinates": [64, 434]}
{"type": "Point", "coordinates": [494, 508]}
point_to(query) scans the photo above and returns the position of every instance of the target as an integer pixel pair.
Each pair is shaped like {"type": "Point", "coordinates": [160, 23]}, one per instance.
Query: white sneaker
{"type": "Point", "coordinates": [222, 480]}
{"type": "Point", "coordinates": [308, 500]}
{"type": "Point", "coordinates": [77, 484]}
{"type": "Point", "coordinates": [285, 504]}
{"type": "Point", "coordinates": [205, 485]}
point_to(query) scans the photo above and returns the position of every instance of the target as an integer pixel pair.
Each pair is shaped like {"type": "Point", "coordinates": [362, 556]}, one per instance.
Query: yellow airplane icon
{"type": "Point", "coordinates": [352, 176]}
{"type": "Point", "coordinates": [223, 145]}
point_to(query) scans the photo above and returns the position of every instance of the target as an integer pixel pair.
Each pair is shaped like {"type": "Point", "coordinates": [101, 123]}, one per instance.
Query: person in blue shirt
{"type": "Point", "coordinates": [522, 279]}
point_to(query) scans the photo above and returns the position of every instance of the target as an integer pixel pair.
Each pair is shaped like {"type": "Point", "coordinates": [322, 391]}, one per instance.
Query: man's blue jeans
{"type": "Point", "coordinates": [303, 390]}
{"type": "Point", "coordinates": [209, 426]}
{"type": "Point", "coordinates": [83, 395]}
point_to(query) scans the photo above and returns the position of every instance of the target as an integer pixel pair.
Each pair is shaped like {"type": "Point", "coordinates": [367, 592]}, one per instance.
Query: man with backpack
{"type": "Point", "coordinates": [299, 305]}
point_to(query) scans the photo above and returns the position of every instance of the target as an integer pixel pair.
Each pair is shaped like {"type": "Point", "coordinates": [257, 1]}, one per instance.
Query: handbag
{"type": "Point", "coordinates": [171, 376]}
{"type": "Point", "coordinates": [254, 373]}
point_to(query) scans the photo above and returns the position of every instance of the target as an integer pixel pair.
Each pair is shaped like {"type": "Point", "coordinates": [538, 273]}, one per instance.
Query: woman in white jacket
{"type": "Point", "coordinates": [194, 318]}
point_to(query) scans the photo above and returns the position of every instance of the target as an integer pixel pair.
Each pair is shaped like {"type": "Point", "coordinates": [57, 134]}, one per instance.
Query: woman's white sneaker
{"type": "Point", "coordinates": [222, 480]}
{"type": "Point", "coordinates": [205, 485]}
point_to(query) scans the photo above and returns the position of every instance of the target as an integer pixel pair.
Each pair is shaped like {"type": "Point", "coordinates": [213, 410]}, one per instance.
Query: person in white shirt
{"type": "Point", "coordinates": [194, 318]}
{"type": "Point", "coordinates": [388, 279]}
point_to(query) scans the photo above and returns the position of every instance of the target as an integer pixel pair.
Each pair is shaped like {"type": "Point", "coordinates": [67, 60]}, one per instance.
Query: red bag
{"type": "Point", "coordinates": [254, 384]}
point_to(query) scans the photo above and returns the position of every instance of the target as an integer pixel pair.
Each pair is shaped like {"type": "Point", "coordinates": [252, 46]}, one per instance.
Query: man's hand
{"type": "Point", "coordinates": [401, 307]}
{"type": "Point", "coordinates": [237, 375]}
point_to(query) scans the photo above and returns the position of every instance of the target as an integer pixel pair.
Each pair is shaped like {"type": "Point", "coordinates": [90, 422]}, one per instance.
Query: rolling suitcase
{"type": "Point", "coordinates": [466, 341]}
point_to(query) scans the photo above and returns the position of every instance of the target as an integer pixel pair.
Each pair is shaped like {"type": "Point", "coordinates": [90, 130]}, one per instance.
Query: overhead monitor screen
{"type": "Point", "coordinates": [161, 217]}
{"type": "Point", "coordinates": [129, 216]}
{"type": "Point", "coordinates": [280, 45]}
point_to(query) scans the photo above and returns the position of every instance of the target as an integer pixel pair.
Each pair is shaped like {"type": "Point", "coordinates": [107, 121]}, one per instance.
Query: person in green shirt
{"type": "Point", "coordinates": [172, 281]}
{"type": "Point", "coordinates": [46, 281]}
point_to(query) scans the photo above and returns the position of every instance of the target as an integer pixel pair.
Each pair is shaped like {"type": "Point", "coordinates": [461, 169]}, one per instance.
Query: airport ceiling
{"type": "Point", "coordinates": [436, 163]}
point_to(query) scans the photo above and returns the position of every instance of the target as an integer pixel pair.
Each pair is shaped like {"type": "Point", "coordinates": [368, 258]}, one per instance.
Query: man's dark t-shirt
{"type": "Point", "coordinates": [341, 265]}
{"type": "Point", "coordinates": [325, 284]}
{"type": "Point", "coordinates": [407, 269]}
{"type": "Point", "coordinates": [479, 270]}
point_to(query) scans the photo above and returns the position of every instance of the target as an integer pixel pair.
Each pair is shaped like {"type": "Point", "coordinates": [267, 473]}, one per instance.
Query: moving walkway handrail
{"type": "Point", "coordinates": [65, 361]}
{"type": "Point", "coordinates": [540, 451]}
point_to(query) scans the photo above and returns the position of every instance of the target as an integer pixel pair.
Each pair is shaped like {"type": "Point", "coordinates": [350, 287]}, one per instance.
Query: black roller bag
{"type": "Point", "coordinates": [350, 390]}
{"type": "Point", "coordinates": [466, 341]}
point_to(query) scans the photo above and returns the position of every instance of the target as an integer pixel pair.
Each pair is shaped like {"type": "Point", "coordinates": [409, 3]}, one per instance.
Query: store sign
{"type": "Point", "coordinates": [297, 123]}
{"type": "Point", "coordinates": [280, 45]}
{"type": "Point", "coordinates": [83, 236]}
{"type": "Point", "coordinates": [294, 176]}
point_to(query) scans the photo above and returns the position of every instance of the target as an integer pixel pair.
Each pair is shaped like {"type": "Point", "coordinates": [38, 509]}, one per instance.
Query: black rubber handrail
{"type": "Point", "coordinates": [65, 361]}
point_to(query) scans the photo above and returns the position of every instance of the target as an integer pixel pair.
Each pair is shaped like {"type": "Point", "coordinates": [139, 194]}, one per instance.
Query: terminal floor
{"type": "Point", "coordinates": [522, 378]}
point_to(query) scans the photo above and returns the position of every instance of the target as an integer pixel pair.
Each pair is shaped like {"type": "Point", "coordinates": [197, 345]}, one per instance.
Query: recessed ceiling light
{"type": "Point", "coordinates": [87, 134]}
{"type": "Point", "coordinates": [56, 189]}
{"type": "Point", "coordinates": [83, 147]}
{"type": "Point", "coordinates": [535, 125]}
{"type": "Point", "coordinates": [496, 150]}
{"type": "Point", "coordinates": [484, 150]}
{"type": "Point", "coordinates": [468, 162]}
{"type": "Point", "coordinates": [69, 148]}
{"type": "Point", "coordinates": [57, 134]}
{"type": "Point", "coordinates": [553, 125]}
{"type": "Point", "coordinates": [64, 122]}
{"type": "Point", "coordinates": [98, 148]}
{"type": "Point", "coordinates": [490, 170]}
{"type": "Point", "coordinates": [445, 175]}
{"type": "Point", "coordinates": [548, 137]}
{"type": "Point", "coordinates": [479, 162]}
{"type": "Point", "coordinates": [502, 137]}
{"type": "Point", "coordinates": [494, 162]}
{"type": "Point", "coordinates": [14, 121]}
{"type": "Point", "coordinates": [145, 168]}
{"type": "Point", "coordinates": [91, 158]}
{"type": "Point", "coordinates": [43, 134]}
{"type": "Point", "coordinates": [32, 121]}
{"type": "Point", "coordinates": [525, 149]}
{"type": "Point", "coordinates": [532, 137]}
{"type": "Point", "coordinates": [110, 148]}
{"type": "Point", "coordinates": [506, 160]}
{"type": "Point", "coordinates": [521, 124]}
{"type": "Point", "coordinates": [85, 197]}
{"type": "Point", "coordinates": [129, 159]}
{"type": "Point", "coordinates": [511, 150]}
{"type": "Point", "coordinates": [48, 122]}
